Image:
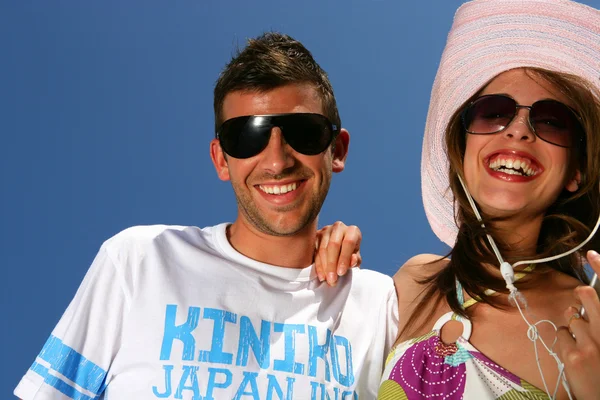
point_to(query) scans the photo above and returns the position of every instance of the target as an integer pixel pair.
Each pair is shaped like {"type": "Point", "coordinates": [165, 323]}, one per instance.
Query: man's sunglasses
{"type": "Point", "coordinates": [247, 136]}
{"type": "Point", "coordinates": [550, 120]}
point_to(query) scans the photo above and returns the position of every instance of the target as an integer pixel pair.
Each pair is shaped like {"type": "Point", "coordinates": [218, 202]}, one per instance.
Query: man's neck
{"type": "Point", "coordinates": [295, 251]}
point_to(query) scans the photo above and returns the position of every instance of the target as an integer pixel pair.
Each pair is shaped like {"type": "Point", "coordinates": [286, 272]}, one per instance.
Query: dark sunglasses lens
{"type": "Point", "coordinates": [308, 134]}
{"type": "Point", "coordinates": [489, 114]}
{"type": "Point", "coordinates": [245, 137]}
{"type": "Point", "coordinates": [555, 123]}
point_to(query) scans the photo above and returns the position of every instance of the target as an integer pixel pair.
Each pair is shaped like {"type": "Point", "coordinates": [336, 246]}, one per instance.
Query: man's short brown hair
{"type": "Point", "coordinates": [270, 61]}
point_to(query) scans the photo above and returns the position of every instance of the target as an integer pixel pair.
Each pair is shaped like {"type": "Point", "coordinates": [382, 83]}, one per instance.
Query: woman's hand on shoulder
{"type": "Point", "coordinates": [336, 251]}
{"type": "Point", "coordinates": [579, 341]}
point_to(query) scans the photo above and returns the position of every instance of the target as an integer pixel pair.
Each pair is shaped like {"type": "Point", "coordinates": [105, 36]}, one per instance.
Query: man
{"type": "Point", "coordinates": [233, 311]}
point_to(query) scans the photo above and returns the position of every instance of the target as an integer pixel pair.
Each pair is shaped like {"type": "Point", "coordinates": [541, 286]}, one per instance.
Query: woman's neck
{"type": "Point", "coordinates": [519, 236]}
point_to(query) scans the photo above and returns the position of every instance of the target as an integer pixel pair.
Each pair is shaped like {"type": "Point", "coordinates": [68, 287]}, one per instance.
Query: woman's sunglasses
{"type": "Point", "coordinates": [247, 136]}
{"type": "Point", "coordinates": [550, 120]}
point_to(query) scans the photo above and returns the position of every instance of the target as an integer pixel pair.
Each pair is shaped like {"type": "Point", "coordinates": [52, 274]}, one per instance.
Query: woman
{"type": "Point", "coordinates": [515, 114]}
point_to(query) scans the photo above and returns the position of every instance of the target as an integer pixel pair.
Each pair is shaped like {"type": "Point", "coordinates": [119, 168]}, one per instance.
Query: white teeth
{"type": "Point", "coordinates": [288, 188]}
{"type": "Point", "coordinates": [285, 189]}
{"type": "Point", "coordinates": [278, 189]}
{"type": "Point", "coordinates": [512, 172]}
{"type": "Point", "coordinates": [512, 166]}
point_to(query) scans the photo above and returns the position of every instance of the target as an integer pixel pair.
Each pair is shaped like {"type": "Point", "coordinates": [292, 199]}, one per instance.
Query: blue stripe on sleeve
{"type": "Point", "coordinates": [75, 367]}
{"type": "Point", "coordinates": [59, 384]}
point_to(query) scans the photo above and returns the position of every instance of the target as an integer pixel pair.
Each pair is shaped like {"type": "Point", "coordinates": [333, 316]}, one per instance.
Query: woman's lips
{"type": "Point", "coordinates": [512, 166]}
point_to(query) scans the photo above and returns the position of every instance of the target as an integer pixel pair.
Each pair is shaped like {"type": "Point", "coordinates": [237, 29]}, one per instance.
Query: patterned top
{"type": "Point", "coordinates": [427, 368]}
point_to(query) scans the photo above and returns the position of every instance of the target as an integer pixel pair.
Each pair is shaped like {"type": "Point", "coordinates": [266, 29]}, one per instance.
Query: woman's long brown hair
{"type": "Point", "coordinates": [567, 223]}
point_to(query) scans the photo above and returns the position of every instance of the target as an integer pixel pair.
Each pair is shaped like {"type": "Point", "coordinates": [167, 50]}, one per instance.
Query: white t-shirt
{"type": "Point", "coordinates": [170, 312]}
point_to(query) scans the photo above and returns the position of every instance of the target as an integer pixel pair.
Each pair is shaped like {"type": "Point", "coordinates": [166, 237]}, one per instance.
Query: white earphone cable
{"type": "Point", "coordinates": [507, 271]}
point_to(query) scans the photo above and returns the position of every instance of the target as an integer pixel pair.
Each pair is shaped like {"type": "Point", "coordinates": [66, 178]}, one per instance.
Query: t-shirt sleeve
{"type": "Point", "coordinates": [75, 360]}
{"type": "Point", "coordinates": [392, 319]}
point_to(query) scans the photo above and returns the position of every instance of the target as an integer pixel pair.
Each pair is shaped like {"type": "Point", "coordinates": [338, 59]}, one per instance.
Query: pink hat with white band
{"type": "Point", "coordinates": [487, 38]}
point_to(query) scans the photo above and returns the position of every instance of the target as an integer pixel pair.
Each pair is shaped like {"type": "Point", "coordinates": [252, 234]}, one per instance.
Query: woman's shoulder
{"type": "Point", "coordinates": [411, 279]}
{"type": "Point", "coordinates": [412, 284]}
{"type": "Point", "coordinates": [419, 267]}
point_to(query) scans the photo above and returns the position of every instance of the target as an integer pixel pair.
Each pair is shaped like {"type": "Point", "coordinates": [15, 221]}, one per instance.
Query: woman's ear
{"type": "Point", "coordinates": [573, 184]}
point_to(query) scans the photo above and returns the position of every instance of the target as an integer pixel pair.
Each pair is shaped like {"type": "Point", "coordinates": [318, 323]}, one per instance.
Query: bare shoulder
{"type": "Point", "coordinates": [416, 269]}
{"type": "Point", "coordinates": [411, 286]}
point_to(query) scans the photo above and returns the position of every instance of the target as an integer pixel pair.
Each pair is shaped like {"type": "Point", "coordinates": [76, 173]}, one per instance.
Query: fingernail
{"type": "Point", "coordinates": [331, 278]}
{"type": "Point", "coordinates": [593, 255]}
{"type": "Point", "coordinates": [321, 277]}
{"type": "Point", "coordinates": [340, 271]}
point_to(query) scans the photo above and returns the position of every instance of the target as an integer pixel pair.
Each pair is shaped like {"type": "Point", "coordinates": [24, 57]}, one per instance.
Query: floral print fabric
{"type": "Point", "coordinates": [427, 368]}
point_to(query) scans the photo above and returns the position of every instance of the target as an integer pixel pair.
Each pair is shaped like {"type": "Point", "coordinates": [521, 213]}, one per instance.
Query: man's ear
{"type": "Point", "coordinates": [573, 184]}
{"type": "Point", "coordinates": [340, 150]}
{"type": "Point", "coordinates": [219, 160]}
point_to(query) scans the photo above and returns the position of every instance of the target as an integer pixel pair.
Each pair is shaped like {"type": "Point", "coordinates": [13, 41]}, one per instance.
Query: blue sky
{"type": "Point", "coordinates": [106, 116]}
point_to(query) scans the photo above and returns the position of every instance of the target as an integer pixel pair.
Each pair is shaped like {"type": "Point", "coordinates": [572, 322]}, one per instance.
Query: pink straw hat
{"type": "Point", "coordinates": [487, 38]}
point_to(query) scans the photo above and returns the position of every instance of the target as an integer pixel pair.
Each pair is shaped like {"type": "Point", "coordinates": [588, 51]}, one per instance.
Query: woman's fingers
{"type": "Point", "coordinates": [321, 251]}
{"type": "Point", "coordinates": [588, 296]}
{"type": "Point", "coordinates": [594, 260]}
{"type": "Point", "coordinates": [349, 256]}
{"type": "Point", "coordinates": [338, 249]}
{"type": "Point", "coordinates": [577, 326]}
{"type": "Point", "coordinates": [579, 345]}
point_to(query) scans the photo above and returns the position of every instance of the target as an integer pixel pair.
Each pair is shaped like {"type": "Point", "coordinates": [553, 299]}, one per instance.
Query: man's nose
{"type": "Point", "coordinates": [278, 155]}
